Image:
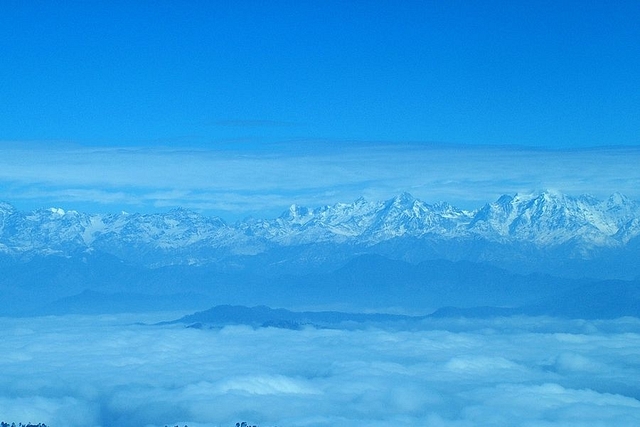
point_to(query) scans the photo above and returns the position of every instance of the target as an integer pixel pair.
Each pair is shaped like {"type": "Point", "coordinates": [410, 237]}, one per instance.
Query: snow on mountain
{"type": "Point", "coordinates": [405, 215]}
{"type": "Point", "coordinates": [362, 221]}
{"type": "Point", "coordinates": [628, 231]}
{"type": "Point", "coordinates": [45, 231]}
{"type": "Point", "coordinates": [547, 219]}
{"type": "Point", "coordinates": [176, 228]}
{"type": "Point", "coordinates": [551, 218]}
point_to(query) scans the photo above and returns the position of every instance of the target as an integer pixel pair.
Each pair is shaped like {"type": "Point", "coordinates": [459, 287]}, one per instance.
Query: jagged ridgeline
{"type": "Point", "coordinates": [180, 256]}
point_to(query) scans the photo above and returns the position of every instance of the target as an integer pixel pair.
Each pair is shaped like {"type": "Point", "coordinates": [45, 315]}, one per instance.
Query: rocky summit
{"type": "Point", "coordinates": [549, 220]}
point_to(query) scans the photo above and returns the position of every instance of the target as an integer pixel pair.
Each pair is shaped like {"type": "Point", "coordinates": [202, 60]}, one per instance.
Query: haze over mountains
{"type": "Point", "coordinates": [400, 253]}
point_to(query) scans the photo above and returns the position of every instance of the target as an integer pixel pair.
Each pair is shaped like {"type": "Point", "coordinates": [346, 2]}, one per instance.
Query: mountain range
{"type": "Point", "coordinates": [505, 252]}
{"type": "Point", "coordinates": [546, 220]}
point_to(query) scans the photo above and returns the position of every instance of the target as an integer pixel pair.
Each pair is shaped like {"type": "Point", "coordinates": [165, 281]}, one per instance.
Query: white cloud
{"type": "Point", "coordinates": [252, 180]}
{"type": "Point", "coordinates": [550, 404]}
{"type": "Point", "coordinates": [264, 384]}
{"type": "Point", "coordinates": [83, 371]}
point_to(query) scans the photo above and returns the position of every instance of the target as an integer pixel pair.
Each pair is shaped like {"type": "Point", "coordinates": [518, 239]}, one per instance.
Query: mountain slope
{"type": "Point", "coordinates": [400, 253]}
{"type": "Point", "coordinates": [547, 220]}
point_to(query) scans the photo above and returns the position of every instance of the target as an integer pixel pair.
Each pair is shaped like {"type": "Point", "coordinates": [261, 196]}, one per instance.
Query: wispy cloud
{"type": "Point", "coordinates": [245, 180]}
{"type": "Point", "coordinates": [253, 123]}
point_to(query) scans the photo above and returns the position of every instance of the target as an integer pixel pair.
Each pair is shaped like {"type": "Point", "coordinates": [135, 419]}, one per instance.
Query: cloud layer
{"type": "Point", "coordinates": [234, 181]}
{"type": "Point", "coordinates": [100, 371]}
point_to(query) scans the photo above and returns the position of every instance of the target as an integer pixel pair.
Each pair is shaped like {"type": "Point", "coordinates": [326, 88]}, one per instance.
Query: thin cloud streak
{"type": "Point", "coordinates": [253, 123]}
{"type": "Point", "coordinates": [236, 182]}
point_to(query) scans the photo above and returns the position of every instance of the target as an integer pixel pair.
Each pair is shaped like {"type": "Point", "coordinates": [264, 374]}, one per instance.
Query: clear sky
{"type": "Point", "coordinates": [307, 78]}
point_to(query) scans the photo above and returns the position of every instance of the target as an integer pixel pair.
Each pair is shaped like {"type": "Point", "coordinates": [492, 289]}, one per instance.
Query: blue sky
{"type": "Point", "coordinates": [291, 78]}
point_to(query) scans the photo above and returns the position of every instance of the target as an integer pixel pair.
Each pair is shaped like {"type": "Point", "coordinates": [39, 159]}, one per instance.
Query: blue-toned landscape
{"type": "Point", "coordinates": [297, 214]}
{"type": "Point", "coordinates": [544, 254]}
{"type": "Point", "coordinates": [528, 305]}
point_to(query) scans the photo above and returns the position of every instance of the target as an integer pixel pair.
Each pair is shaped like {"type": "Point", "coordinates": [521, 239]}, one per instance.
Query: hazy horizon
{"type": "Point", "coordinates": [237, 183]}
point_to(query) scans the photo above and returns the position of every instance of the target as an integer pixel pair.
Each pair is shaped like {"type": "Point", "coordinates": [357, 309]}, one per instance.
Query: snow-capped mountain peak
{"type": "Point", "coordinates": [545, 219]}
{"type": "Point", "coordinates": [6, 207]}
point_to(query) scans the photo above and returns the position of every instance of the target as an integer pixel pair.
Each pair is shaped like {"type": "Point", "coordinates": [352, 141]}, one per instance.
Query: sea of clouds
{"type": "Point", "coordinates": [115, 370]}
